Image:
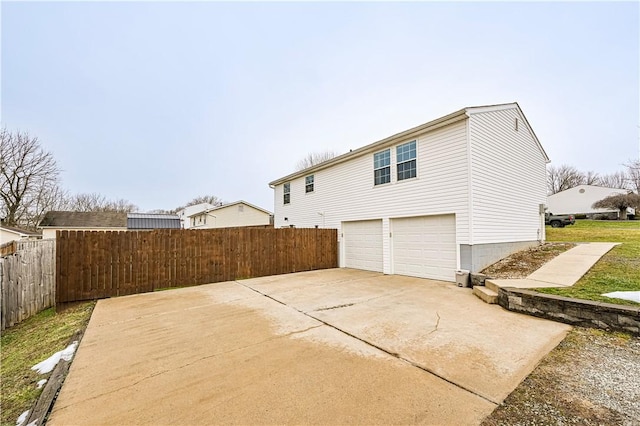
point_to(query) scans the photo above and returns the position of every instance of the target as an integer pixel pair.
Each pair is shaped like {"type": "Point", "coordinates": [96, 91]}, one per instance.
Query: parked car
{"type": "Point", "coordinates": [558, 221]}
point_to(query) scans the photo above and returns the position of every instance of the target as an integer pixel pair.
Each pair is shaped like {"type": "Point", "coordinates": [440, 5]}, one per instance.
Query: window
{"type": "Point", "coordinates": [308, 184]}
{"type": "Point", "coordinates": [287, 193]}
{"type": "Point", "coordinates": [406, 158]}
{"type": "Point", "coordinates": [240, 208]}
{"type": "Point", "coordinates": [382, 167]}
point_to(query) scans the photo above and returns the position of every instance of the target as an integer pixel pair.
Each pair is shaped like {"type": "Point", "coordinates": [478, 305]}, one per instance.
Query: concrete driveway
{"type": "Point", "coordinates": [335, 346]}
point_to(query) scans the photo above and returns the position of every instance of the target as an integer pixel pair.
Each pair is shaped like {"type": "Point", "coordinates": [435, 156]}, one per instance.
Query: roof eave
{"type": "Point", "coordinates": [415, 131]}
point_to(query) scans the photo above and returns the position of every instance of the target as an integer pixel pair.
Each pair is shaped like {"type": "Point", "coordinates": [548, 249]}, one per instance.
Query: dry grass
{"type": "Point", "coordinates": [525, 262]}
{"type": "Point", "coordinates": [28, 343]}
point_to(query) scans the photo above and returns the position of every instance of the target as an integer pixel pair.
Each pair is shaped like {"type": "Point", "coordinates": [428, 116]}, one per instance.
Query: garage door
{"type": "Point", "coordinates": [363, 244]}
{"type": "Point", "coordinates": [425, 247]}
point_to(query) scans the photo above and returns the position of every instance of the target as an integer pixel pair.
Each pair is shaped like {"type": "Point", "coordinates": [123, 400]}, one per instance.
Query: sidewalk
{"type": "Point", "coordinates": [564, 270]}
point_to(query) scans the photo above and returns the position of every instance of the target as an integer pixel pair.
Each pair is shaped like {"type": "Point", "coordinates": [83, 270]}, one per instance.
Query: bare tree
{"type": "Point", "coordinates": [94, 202]}
{"type": "Point", "coordinates": [211, 199]}
{"type": "Point", "coordinates": [563, 177]}
{"type": "Point", "coordinates": [592, 178]}
{"type": "Point", "coordinates": [29, 184]}
{"type": "Point", "coordinates": [633, 175]}
{"type": "Point", "coordinates": [314, 158]}
{"type": "Point", "coordinates": [620, 202]}
{"type": "Point", "coordinates": [614, 180]}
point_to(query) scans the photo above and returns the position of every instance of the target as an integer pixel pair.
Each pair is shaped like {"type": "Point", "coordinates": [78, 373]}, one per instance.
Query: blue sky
{"type": "Point", "coordinates": [159, 102]}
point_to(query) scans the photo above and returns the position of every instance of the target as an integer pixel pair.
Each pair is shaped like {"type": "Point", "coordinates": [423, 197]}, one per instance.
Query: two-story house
{"type": "Point", "coordinates": [458, 192]}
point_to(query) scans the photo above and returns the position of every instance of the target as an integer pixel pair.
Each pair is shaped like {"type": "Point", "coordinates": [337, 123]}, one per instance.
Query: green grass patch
{"type": "Point", "coordinates": [618, 270]}
{"type": "Point", "coordinates": [26, 344]}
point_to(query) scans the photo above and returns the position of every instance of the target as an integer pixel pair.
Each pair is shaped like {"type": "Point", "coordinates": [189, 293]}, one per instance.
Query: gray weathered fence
{"type": "Point", "coordinates": [27, 280]}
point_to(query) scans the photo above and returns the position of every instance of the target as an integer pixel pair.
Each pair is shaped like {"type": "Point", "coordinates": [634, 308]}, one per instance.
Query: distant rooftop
{"type": "Point", "coordinates": [66, 219]}
{"type": "Point", "coordinates": [152, 221]}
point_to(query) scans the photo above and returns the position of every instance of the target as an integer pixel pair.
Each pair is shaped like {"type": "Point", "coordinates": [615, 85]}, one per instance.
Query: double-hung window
{"type": "Point", "coordinates": [406, 159]}
{"type": "Point", "coordinates": [287, 193]}
{"type": "Point", "coordinates": [308, 184]}
{"type": "Point", "coordinates": [382, 167]}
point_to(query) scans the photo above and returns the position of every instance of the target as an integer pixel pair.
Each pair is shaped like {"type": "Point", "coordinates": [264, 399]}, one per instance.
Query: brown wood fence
{"type": "Point", "coordinates": [27, 280]}
{"type": "Point", "coordinates": [94, 265]}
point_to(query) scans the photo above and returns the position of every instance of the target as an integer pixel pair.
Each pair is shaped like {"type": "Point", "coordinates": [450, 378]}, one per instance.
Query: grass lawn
{"type": "Point", "coordinates": [26, 344]}
{"type": "Point", "coordinates": [618, 270]}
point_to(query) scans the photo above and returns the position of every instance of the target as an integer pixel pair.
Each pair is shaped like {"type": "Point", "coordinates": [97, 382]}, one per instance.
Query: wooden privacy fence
{"type": "Point", "coordinates": [27, 280]}
{"type": "Point", "coordinates": [94, 265]}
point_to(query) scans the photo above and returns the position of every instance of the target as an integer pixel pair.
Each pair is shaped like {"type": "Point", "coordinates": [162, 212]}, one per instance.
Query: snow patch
{"type": "Point", "coordinates": [48, 364]}
{"type": "Point", "coordinates": [41, 383]}
{"type": "Point", "coordinates": [634, 296]}
{"type": "Point", "coordinates": [22, 418]}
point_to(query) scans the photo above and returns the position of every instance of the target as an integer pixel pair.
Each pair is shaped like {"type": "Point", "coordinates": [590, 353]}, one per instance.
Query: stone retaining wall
{"type": "Point", "coordinates": [584, 313]}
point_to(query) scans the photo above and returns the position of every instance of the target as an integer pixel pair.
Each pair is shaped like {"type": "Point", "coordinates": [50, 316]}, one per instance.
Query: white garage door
{"type": "Point", "coordinates": [363, 244]}
{"type": "Point", "coordinates": [425, 247]}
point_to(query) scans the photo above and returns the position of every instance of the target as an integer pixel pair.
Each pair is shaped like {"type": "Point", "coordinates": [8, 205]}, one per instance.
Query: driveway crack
{"type": "Point", "coordinates": [437, 324]}
{"type": "Point", "coordinates": [380, 348]}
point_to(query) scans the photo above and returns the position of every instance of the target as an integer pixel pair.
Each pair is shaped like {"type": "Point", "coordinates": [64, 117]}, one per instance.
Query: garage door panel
{"type": "Point", "coordinates": [425, 247]}
{"type": "Point", "coordinates": [363, 245]}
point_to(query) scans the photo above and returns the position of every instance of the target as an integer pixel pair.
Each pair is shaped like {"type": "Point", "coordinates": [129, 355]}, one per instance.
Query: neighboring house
{"type": "Point", "coordinates": [104, 221]}
{"type": "Point", "coordinates": [578, 201]}
{"type": "Point", "coordinates": [459, 192]}
{"type": "Point", "coordinates": [146, 221]}
{"type": "Point", "coordinates": [184, 213]}
{"type": "Point", "coordinates": [81, 221]}
{"type": "Point", "coordinates": [9, 233]}
{"type": "Point", "coordinates": [229, 215]}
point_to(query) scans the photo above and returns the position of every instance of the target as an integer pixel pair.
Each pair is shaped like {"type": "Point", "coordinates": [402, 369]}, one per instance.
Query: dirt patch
{"type": "Point", "coordinates": [589, 379]}
{"type": "Point", "coordinates": [525, 262]}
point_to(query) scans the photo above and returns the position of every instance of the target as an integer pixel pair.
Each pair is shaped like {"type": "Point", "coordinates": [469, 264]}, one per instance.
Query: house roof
{"type": "Point", "coordinates": [153, 221]}
{"type": "Point", "coordinates": [19, 231]}
{"type": "Point", "coordinates": [229, 205]}
{"type": "Point", "coordinates": [596, 187]}
{"type": "Point", "coordinates": [429, 126]}
{"type": "Point", "coordinates": [66, 219]}
{"type": "Point", "coordinates": [194, 209]}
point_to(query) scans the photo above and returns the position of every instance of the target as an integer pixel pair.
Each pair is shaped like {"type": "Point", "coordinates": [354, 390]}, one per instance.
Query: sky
{"type": "Point", "coordinates": [159, 102]}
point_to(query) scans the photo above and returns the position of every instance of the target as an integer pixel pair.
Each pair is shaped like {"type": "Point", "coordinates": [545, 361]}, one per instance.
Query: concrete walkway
{"type": "Point", "coordinates": [564, 270]}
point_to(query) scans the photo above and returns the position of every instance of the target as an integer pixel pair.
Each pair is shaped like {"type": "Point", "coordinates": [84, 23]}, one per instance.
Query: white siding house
{"type": "Point", "coordinates": [8, 234]}
{"type": "Point", "coordinates": [184, 213]}
{"type": "Point", "coordinates": [230, 215]}
{"type": "Point", "coordinates": [459, 192]}
{"type": "Point", "coordinates": [578, 200]}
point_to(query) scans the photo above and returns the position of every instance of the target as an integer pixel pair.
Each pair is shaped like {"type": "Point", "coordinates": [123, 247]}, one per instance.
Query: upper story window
{"type": "Point", "coordinates": [308, 184]}
{"type": "Point", "coordinates": [382, 167]}
{"type": "Point", "coordinates": [287, 193]}
{"type": "Point", "coordinates": [406, 158]}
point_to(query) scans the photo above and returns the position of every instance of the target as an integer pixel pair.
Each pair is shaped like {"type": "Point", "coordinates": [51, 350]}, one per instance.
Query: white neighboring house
{"type": "Point", "coordinates": [239, 213]}
{"type": "Point", "coordinates": [578, 200]}
{"type": "Point", "coordinates": [9, 233]}
{"type": "Point", "coordinates": [459, 192]}
{"type": "Point", "coordinates": [184, 213]}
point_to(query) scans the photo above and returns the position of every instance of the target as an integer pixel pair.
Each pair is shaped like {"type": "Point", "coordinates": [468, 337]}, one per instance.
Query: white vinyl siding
{"type": "Point", "coordinates": [346, 191]}
{"type": "Point", "coordinates": [508, 179]}
{"type": "Point", "coordinates": [425, 247]}
{"type": "Point", "coordinates": [363, 245]}
{"type": "Point", "coordinates": [231, 216]}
